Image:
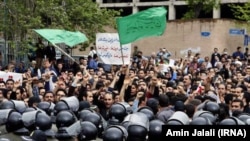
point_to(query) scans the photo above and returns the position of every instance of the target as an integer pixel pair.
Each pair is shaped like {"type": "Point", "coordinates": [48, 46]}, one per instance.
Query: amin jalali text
{"type": "Point", "coordinates": [206, 133]}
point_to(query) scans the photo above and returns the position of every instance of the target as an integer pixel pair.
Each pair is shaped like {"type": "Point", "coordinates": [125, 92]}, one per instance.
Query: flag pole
{"type": "Point", "coordinates": [122, 54]}
{"type": "Point", "coordinates": [65, 53]}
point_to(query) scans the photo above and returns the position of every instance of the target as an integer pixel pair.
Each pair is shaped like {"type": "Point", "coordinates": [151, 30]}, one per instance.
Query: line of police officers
{"type": "Point", "coordinates": [71, 120]}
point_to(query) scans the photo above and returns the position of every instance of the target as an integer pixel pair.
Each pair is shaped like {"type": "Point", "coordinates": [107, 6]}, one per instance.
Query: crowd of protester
{"type": "Point", "coordinates": [197, 90]}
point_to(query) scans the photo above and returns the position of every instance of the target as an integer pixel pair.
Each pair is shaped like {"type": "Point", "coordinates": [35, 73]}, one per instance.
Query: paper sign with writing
{"type": "Point", "coordinates": [171, 62]}
{"type": "Point", "coordinates": [109, 50]}
{"type": "Point", "coordinates": [11, 75]}
{"type": "Point", "coordinates": [165, 67]}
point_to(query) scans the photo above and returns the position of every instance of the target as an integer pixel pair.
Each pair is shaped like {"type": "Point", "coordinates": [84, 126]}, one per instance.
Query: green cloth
{"type": "Point", "coordinates": [56, 36]}
{"type": "Point", "coordinates": [150, 22]}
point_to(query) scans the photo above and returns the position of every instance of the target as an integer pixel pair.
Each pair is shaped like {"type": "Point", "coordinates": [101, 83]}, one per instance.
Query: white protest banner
{"type": "Point", "coordinates": [171, 62]}
{"type": "Point", "coordinates": [163, 68]}
{"type": "Point", "coordinates": [109, 50]}
{"type": "Point", "coordinates": [11, 75]}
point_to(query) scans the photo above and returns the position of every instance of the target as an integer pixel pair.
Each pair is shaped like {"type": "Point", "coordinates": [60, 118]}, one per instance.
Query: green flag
{"type": "Point", "coordinates": [56, 36]}
{"type": "Point", "coordinates": [150, 22]}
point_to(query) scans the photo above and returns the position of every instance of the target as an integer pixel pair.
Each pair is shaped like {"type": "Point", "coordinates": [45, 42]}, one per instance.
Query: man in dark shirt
{"type": "Point", "coordinates": [108, 101]}
{"type": "Point", "coordinates": [214, 55]}
{"type": "Point", "coordinates": [50, 52]}
{"type": "Point", "coordinates": [39, 53]}
{"type": "Point", "coordinates": [238, 54]}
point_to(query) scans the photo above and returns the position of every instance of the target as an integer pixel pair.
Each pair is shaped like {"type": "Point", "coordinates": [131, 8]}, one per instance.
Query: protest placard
{"type": "Point", "coordinates": [11, 75]}
{"type": "Point", "coordinates": [109, 50]}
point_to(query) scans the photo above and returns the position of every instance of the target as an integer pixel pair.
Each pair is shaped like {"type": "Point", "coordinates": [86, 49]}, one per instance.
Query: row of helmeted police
{"type": "Point", "coordinates": [69, 119]}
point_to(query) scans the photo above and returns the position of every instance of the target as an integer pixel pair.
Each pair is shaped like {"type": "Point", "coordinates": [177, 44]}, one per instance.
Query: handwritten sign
{"type": "Point", "coordinates": [171, 62]}
{"type": "Point", "coordinates": [165, 67]}
{"type": "Point", "coordinates": [11, 75]}
{"type": "Point", "coordinates": [109, 50]}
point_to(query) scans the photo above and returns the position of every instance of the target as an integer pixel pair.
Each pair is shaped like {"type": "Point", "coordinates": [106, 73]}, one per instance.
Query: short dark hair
{"type": "Point", "coordinates": [153, 103]}
{"type": "Point", "coordinates": [80, 58]}
{"type": "Point", "coordinates": [33, 100]}
{"type": "Point", "coordinates": [238, 100]}
{"type": "Point", "coordinates": [95, 56]}
{"type": "Point", "coordinates": [229, 97]}
{"type": "Point", "coordinates": [63, 90]}
{"type": "Point", "coordinates": [47, 93]}
{"type": "Point", "coordinates": [190, 110]}
{"type": "Point", "coordinates": [163, 100]}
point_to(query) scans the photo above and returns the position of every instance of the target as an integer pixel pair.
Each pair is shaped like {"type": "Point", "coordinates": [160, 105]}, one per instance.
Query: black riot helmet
{"type": "Point", "coordinates": [137, 133]}
{"type": "Point", "coordinates": [147, 111]}
{"type": "Point", "coordinates": [4, 115]}
{"type": "Point", "coordinates": [115, 133]}
{"type": "Point", "coordinates": [96, 119]}
{"type": "Point", "coordinates": [7, 105]}
{"type": "Point", "coordinates": [201, 121]}
{"type": "Point", "coordinates": [138, 126]}
{"type": "Point", "coordinates": [60, 106]}
{"type": "Point", "coordinates": [245, 117]}
{"type": "Point", "coordinates": [247, 121]}
{"type": "Point", "coordinates": [37, 135]}
{"type": "Point", "coordinates": [88, 131]}
{"type": "Point", "coordinates": [93, 118]}
{"type": "Point", "coordinates": [206, 114]}
{"type": "Point", "coordinates": [62, 134]}
{"type": "Point", "coordinates": [14, 122]}
{"type": "Point", "coordinates": [65, 119]}
{"type": "Point", "coordinates": [117, 111]}
{"type": "Point", "coordinates": [29, 119]}
{"type": "Point", "coordinates": [155, 130]}
{"type": "Point", "coordinates": [48, 107]}
{"type": "Point", "coordinates": [178, 118]}
{"type": "Point", "coordinates": [231, 121]}
{"type": "Point", "coordinates": [83, 113]}
{"type": "Point", "coordinates": [83, 105]}
{"type": "Point", "coordinates": [43, 121]}
{"type": "Point", "coordinates": [29, 109]}
{"type": "Point", "coordinates": [19, 105]}
{"type": "Point", "coordinates": [72, 102]}
{"type": "Point", "coordinates": [212, 107]}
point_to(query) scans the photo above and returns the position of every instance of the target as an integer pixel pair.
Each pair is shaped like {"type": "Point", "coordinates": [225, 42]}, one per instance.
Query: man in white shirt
{"type": "Point", "coordinates": [92, 52]}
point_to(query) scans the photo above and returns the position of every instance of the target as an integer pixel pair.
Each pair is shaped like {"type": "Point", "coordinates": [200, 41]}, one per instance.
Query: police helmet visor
{"type": "Point", "coordinates": [29, 118]}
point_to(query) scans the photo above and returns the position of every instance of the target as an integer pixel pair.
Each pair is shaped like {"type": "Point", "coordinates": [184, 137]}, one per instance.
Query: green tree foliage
{"type": "Point", "coordinates": [241, 12]}
{"type": "Point", "coordinates": [21, 16]}
{"type": "Point", "coordinates": [196, 6]}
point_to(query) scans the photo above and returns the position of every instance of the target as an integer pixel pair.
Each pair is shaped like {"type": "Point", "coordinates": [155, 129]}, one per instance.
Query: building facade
{"type": "Point", "coordinates": [199, 35]}
{"type": "Point", "coordinates": [176, 8]}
